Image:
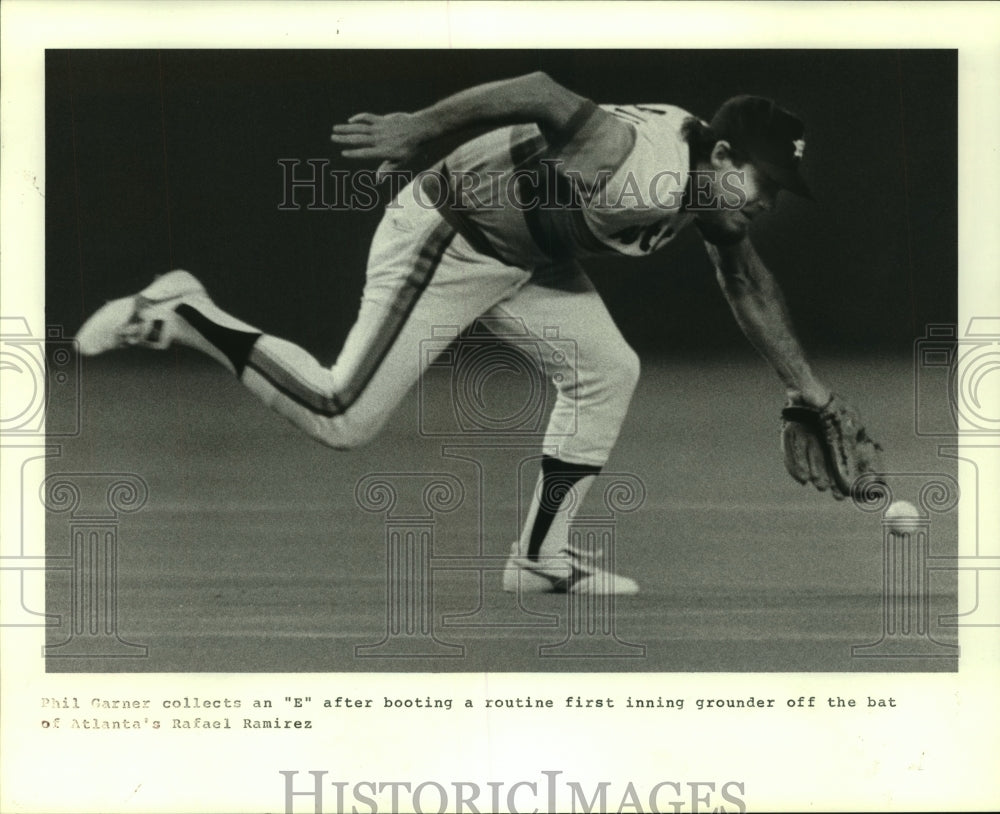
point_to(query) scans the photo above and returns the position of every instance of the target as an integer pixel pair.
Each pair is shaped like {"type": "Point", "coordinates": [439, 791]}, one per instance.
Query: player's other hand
{"type": "Point", "coordinates": [395, 138]}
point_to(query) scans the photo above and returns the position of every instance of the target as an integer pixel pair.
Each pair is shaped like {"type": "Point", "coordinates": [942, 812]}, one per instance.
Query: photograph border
{"type": "Point", "coordinates": [933, 750]}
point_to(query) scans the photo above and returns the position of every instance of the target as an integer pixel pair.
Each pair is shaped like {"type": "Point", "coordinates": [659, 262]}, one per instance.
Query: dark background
{"type": "Point", "coordinates": [166, 159]}
{"type": "Point", "coordinates": [253, 554]}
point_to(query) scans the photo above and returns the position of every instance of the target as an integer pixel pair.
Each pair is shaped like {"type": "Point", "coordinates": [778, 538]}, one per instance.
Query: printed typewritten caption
{"type": "Point", "coordinates": [313, 712]}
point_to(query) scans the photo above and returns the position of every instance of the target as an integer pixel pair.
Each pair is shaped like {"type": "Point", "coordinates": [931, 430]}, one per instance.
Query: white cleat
{"type": "Point", "coordinates": [568, 572]}
{"type": "Point", "coordinates": [145, 319]}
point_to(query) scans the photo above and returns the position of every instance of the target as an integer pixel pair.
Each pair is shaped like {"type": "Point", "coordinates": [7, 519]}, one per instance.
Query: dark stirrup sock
{"type": "Point", "coordinates": [558, 477]}
{"type": "Point", "coordinates": [236, 345]}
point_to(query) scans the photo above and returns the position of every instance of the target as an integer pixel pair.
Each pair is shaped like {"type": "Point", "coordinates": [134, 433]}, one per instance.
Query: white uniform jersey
{"type": "Point", "coordinates": [513, 193]}
{"type": "Point", "coordinates": [640, 208]}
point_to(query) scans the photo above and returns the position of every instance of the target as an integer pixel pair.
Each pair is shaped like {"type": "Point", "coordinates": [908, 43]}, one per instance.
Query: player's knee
{"type": "Point", "coordinates": [610, 375]}
{"type": "Point", "coordinates": [342, 433]}
{"type": "Point", "coordinates": [626, 369]}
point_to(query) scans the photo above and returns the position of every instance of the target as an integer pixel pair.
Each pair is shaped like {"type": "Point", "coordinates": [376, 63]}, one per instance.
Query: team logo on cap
{"type": "Point", "coordinates": [800, 147]}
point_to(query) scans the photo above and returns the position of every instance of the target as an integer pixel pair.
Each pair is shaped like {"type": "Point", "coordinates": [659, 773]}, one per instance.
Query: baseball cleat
{"type": "Point", "coordinates": [568, 572]}
{"type": "Point", "coordinates": [145, 319]}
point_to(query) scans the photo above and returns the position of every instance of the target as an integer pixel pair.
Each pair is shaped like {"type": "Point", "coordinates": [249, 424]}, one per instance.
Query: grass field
{"type": "Point", "coordinates": [253, 554]}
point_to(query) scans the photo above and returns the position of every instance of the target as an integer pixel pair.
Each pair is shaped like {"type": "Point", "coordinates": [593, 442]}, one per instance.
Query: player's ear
{"type": "Point", "coordinates": [722, 154]}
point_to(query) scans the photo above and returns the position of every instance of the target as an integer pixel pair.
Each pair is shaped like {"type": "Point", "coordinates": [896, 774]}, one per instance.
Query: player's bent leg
{"type": "Point", "coordinates": [292, 383]}
{"type": "Point", "coordinates": [594, 387]}
{"type": "Point", "coordinates": [176, 308]}
{"type": "Point", "coordinates": [346, 405]}
{"type": "Point", "coordinates": [420, 276]}
{"type": "Point", "coordinates": [593, 400]}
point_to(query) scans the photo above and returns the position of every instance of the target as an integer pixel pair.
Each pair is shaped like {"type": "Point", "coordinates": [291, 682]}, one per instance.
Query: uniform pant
{"type": "Point", "coordinates": [422, 275]}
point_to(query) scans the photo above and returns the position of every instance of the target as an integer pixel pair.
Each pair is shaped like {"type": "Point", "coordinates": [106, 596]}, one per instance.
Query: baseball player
{"type": "Point", "coordinates": [498, 228]}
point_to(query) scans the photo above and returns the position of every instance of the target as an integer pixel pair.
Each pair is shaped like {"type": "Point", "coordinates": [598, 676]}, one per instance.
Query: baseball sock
{"type": "Point", "coordinates": [212, 331]}
{"type": "Point", "coordinates": [284, 376]}
{"type": "Point", "coordinates": [547, 525]}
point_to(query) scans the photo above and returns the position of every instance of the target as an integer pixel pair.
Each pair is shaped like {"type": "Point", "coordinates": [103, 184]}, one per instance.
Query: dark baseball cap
{"type": "Point", "coordinates": [772, 136]}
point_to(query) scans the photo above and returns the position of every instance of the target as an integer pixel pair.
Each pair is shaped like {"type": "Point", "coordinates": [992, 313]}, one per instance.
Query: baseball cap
{"type": "Point", "coordinates": [772, 136]}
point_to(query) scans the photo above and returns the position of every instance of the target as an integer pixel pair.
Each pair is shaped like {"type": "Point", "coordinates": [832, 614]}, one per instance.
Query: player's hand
{"type": "Point", "coordinates": [395, 138]}
{"type": "Point", "coordinates": [828, 446]}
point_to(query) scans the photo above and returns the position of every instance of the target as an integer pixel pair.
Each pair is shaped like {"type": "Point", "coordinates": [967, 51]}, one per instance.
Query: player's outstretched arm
{"type": "Point", "coordinates": [396, 138]}
{"type": "Point", "coordinates": [823, 438]}
{"type": "Point", "coordinates": [759, 308]}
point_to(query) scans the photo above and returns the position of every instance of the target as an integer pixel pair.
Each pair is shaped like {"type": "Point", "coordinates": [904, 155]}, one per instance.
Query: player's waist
{"type": "Point", "coordinates": [519, 219]}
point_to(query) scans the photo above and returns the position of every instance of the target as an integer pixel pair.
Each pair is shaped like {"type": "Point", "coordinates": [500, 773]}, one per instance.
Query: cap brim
{"type": "Point", "coordinates": [786, 178]}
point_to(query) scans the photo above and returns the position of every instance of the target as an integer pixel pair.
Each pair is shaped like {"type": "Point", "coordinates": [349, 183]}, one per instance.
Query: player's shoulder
{"type": "Point", "coordinates": [650, 115]}
{"type": "Point", "coordinates": [659, 146]}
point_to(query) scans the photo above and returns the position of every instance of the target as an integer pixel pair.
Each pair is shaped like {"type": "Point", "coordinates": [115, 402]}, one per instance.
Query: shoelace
{"type": "Point", "coordinates": [591, 558]}
{"type": "Point", "coordinates": [584, 562]}
{"type": "Point", "coordinates": [135, 330]}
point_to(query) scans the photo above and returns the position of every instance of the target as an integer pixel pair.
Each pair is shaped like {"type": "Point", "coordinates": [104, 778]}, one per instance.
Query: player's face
{"type": "Point", "coordinates": [742, 192]}
{"type": "Point", "coordinates": [754, 191]}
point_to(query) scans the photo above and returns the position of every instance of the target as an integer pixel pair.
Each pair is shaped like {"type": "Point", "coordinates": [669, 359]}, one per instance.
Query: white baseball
{"type": "Point", "coordinates": [902, 516]}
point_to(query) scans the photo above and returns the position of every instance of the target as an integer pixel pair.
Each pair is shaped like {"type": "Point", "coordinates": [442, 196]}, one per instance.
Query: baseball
{"type": "Point", "coordinates": [902, 516]}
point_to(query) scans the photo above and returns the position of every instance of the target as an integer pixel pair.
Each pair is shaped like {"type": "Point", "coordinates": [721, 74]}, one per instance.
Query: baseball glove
{"type": "Point", "coordinates": [827, 446]}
